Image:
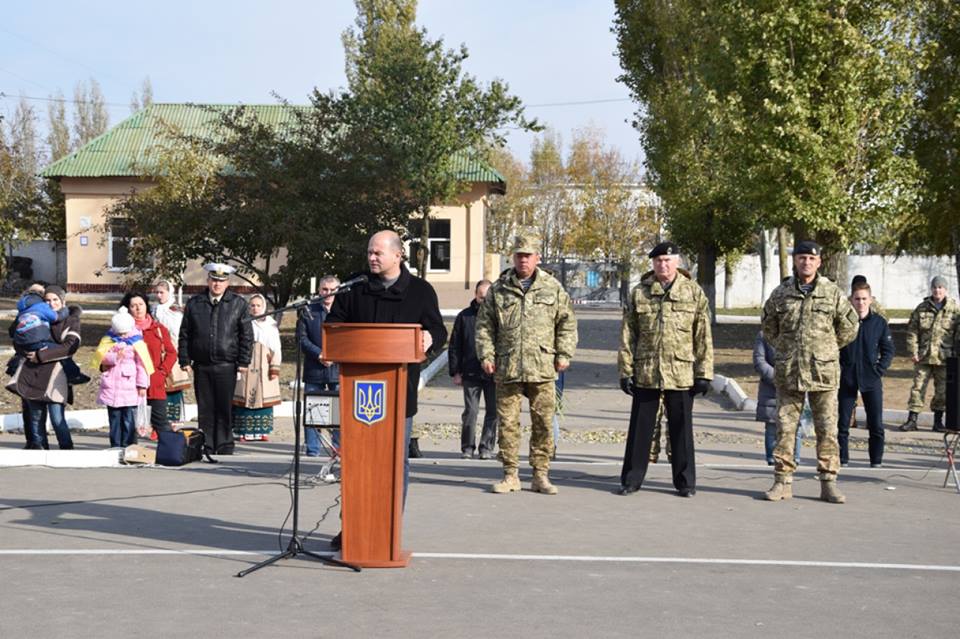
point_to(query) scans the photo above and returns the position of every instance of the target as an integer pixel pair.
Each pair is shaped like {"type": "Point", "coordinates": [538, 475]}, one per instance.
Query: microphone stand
{"type": "Point", "coordinates": [295, 547]}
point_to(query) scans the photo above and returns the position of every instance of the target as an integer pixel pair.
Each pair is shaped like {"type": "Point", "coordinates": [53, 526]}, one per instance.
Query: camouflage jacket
{"type": "Point", "coordinates": [807, 332]}
{"type": "Point", "coordinates": [931, 333]}
{"type": "Point", "coordinates": [523, 334]}
{"type": "Point", "coordinates": [665, 338]}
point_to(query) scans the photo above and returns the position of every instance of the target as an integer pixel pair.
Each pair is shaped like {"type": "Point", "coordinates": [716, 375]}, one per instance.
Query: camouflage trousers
{"type": "Point", "coordinates": [921, 377]}
{"type": "Point", "coordinates": [659, 434]}
{"type": "Point", "coordinates": [823, 404]}
{"type": "Point", "coordinates": [543, 401]}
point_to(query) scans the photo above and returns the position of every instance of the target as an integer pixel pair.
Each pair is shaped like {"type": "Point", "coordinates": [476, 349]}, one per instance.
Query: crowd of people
{"type": "Point", "coordinates": [818, 351]}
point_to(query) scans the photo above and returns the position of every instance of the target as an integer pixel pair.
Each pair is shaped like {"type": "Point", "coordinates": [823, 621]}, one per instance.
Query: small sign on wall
{"type": "Point", "coordinates": [83, 240]}
{"type": "Point", "coordinates": [85, 223]}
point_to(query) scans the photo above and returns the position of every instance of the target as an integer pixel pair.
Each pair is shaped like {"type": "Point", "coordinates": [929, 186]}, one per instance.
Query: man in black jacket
{"type": "Point", "coordinates": [863, 363]}
{"type": "Point", "coordinates": [393, 296]}
{"type": "Point", "coordinates": [216, 341]}
{"type": "Point", "coordinates": [465, 370]}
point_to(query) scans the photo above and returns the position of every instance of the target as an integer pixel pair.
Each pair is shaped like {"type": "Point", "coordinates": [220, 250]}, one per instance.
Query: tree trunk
{"type": "Point", "coordinates": [767, 278]}
{"type": "Point", "coordinates": [624, 281]}
{"type": "Point", "coordinates": [423, 255]}
{"type": "Point", "coordinates": [834, 265]}
{"type": "Point", "coordinates": [784, 257]}
{"type": "Point", "coordinates": [707, 276]}
{"type": "Point", "coordinates": [956, 255]}
{"type": "Point", "coordinates": [728, 266]}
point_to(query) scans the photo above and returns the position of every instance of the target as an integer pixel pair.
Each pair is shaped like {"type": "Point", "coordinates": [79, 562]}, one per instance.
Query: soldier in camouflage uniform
{"type": "Point", "coordinates": [807, 320]}
{"type": "Point", "coordinates": [666, 351]}
{"type": "Point", "coordinates": [526, 333]}
{"type": "Point", "coordinates": [930, 338]}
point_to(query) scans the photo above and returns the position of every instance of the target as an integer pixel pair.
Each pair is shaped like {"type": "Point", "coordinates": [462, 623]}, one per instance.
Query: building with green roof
{"type": "Point", "coordinates": [110, 166]}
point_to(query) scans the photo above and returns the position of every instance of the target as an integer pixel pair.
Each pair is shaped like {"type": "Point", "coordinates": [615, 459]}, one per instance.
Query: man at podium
{"type": "Point", "coordinates": [391, 295]}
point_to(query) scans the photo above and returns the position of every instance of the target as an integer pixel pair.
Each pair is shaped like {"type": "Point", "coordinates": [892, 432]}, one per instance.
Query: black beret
{"type": "Point", "coordinates": [664, 248]}
{"type": "Point", "coordinates": [807, 247]}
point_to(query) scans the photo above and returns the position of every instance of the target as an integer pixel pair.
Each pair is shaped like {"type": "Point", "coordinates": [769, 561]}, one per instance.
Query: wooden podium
{"type": "Point", "coordinates": [373, 362]}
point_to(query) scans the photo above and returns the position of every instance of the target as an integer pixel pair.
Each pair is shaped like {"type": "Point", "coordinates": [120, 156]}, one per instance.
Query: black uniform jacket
{"type": "Point", "coordinates": [864, 360]}
{"type": "Point", "coordinates": [410, 300]}
{"type": "Point", "coordinates": [221, 335]}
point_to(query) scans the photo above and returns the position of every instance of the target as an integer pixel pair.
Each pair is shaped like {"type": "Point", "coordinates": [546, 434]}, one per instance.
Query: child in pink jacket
{"type": "Point", "coordinates": [125, 369]}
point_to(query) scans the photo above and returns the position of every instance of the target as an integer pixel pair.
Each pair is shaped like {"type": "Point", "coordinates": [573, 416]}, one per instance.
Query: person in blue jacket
{"type": "Point", "coordinates": [318, 373]}
{"type": "Point", "coordinates": [863, 362]}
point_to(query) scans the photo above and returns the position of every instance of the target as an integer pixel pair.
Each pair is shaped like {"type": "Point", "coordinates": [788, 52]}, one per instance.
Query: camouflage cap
{"type": "Point", "coordinates": [526, 243]}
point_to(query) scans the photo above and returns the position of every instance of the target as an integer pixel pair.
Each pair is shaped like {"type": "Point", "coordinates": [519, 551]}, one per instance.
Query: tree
{"type": "Point", "coordinates": [825, 94]}
{"type": "Point", "coordinates": [687, 134]}
{"type": "Point", "coordinates": [144, 98]}
{"type": "Point", "coordinates": [934, 226]}
{"type": "Point", "coordinates": [90, 117]}
{"type": "Point", "coordinates": [764, 115]}
{"type": "Point", "coordinates": [611, 218]}
{"type": "Point", "coordinates": [423, 108]}
{"type": "Point", "coordinates": [506, 210]}
{"type": "Point", "coordinates": [281, 203]}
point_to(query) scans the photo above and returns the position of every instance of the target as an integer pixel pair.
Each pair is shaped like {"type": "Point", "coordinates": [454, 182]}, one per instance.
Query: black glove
{"type": "Point", "coordinates": [701, 386]}
{"type": "Point", "coordinates": [626, 385]}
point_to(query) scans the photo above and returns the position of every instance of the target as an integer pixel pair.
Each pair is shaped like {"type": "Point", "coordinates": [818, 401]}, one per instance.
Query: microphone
{"type": "Point", "coordinates": [359, 279]}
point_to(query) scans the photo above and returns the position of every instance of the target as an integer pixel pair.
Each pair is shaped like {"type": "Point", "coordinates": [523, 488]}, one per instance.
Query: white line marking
{"type": "Point", "coordinates": [691, 560]}
{"type": "Point", "coordinates": [505, 557]}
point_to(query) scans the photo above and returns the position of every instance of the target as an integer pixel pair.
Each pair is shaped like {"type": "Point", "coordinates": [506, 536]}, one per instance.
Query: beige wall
{"type": "Point", "coordinates": [87, 269]}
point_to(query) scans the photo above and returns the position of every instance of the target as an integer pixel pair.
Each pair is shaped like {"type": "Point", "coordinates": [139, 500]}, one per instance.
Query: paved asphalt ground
{"type": "Point", "coordinates": [153, 552]}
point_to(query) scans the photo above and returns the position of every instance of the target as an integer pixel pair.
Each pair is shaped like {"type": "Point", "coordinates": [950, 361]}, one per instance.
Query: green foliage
{"type": "Point", "coordinates": [284, 203]}
{"type": "Point", "coordinates": [935, 136]}
{"type": "Point", "coordinates": [767, 114]}
{"type": "Point", "coordinates": [420, 104]}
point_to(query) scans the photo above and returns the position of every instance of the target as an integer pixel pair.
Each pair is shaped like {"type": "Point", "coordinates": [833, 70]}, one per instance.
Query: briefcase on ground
{"type": "Point", "coordinates": [179, 447]}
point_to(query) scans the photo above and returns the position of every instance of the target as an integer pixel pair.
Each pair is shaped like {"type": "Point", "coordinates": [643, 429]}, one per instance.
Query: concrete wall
{"type": "Point", "coordinates": [896, 282]}
{"type": "Point", "coordinates": [49, 260]}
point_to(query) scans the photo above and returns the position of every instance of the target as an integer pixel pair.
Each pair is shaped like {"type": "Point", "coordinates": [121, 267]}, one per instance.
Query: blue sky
{"type": "Point", "coordinates": [241, 51]}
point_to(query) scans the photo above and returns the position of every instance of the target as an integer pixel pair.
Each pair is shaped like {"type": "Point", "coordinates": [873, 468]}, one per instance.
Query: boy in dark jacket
{"type": "Point", "coordinates": [863, 363]}
{"type": "Point", "coordinates": [31, 332]}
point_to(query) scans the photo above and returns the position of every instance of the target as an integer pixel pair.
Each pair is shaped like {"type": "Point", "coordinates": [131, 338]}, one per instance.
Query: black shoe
{"type": "Point", "coordinates": [687, 492]}
{"type": "Point", "coordinates": [628, 490]}
{"type": "Point", "coordinates": [938, 422]}
{"type": "Point", "coordinates": [336, 543]}
{"type": "Point", "coordinates": [79, 379]}
{"type": "Point", "coordinates": [413, 450]}
{"type": "Point", "coordinates": [33, 447]}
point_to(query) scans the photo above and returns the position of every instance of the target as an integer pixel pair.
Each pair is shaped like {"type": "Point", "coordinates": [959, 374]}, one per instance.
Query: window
{"type": "Point", "coordinates": [439, 244]}
{"type": "Point", "coordinates": [120, 243]}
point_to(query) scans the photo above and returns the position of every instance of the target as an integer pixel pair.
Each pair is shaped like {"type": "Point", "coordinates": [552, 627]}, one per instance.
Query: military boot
{"type": "Point", "coordinates": [541, 483]}
{"type": "Point", "coordinates": [911, 423]}
{"type": "Point", "coordinates": [830, 493]}
{"type": "Point", "coordinates": [510, 483]}
{"type": "Point", "coordinates": [938, 421]}
{"type": "Point", "coordinates": [782, 489]}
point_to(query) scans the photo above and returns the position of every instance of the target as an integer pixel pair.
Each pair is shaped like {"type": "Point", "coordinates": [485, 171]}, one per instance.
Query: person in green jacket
{"type": "Point", "coordinates": [526, 334]}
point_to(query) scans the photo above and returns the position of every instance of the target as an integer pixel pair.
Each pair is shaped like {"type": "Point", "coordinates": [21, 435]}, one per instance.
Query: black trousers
{"type": "Point", "coordinates": [678, 405]}
{"type": "Point", "coordinates": [158, 414]}
{"type": "Point", "coordinates": [214, 385]}
{"type": "Point", "coordinates": [873, 406]}
{"type": "Point", "coordinates": [472, 390]}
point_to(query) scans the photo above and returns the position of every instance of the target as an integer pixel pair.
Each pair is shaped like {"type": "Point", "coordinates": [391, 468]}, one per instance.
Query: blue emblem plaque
{"type": "Point", "coordinates": [369, 401]}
